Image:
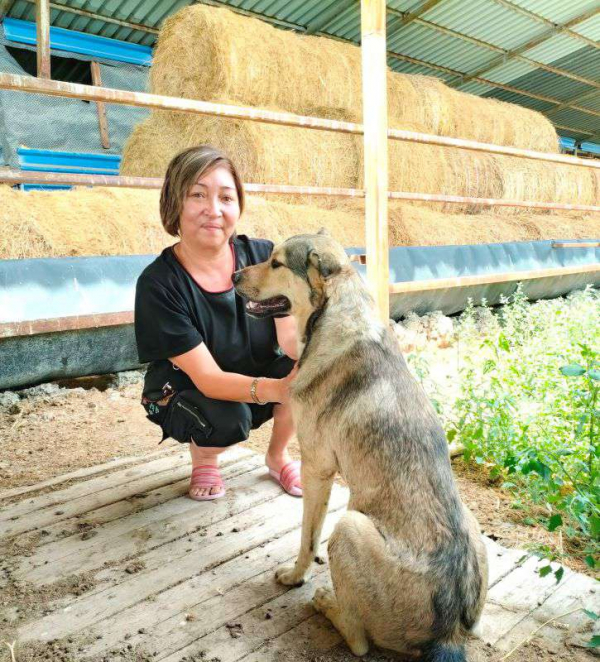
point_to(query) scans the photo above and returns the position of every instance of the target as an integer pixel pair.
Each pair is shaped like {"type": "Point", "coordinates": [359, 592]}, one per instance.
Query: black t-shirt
{"type": "Point", "coordinates": [173, 314]}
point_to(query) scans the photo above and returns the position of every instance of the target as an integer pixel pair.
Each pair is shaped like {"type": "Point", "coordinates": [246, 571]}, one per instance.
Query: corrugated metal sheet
{"type": "Point", "coordinates": [557, 11]}
{"type": "Point", "coordinates": [485, 21]}
{"type": "Point", "coordinates": [423, 39]}
{"type": "Point", "coordinates": [591, 103]}
{"type": "Point", "coordinates": [590, 28]}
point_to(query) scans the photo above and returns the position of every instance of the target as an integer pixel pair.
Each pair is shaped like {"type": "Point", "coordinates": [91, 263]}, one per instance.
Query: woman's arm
{"type": "Point", "coordinates": [200, 366]}
{"type": "Point", "coordinates": [287, 336]}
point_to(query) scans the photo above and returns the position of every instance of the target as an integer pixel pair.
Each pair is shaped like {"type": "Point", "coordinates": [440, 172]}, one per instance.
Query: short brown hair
{"type": "Point", "coordinates": [183, 172]}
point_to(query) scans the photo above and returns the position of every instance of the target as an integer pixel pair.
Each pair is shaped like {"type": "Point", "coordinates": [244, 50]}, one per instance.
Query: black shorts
{"type": "Point", "coordinates": [191, 416]}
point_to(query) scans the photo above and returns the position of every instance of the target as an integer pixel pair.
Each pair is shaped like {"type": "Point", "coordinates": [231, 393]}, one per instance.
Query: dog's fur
{"type": "Point", "coordinates": [407, 560]}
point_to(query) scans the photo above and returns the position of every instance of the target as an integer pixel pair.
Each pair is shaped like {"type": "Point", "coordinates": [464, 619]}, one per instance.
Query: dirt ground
{"type": "Point", "coordinates": [90, 421]}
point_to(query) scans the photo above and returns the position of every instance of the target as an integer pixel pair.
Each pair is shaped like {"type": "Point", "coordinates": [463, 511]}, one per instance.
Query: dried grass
{"type": "Point", "coordinates": [271, 154]}
{"type": "Point", "coordinates": [214, 54]}
{"type": "Point", "coordinates": [264, 153]}
{"type": "Point", "coordinates": [105, 221]}
{"type": "Point", "coordinates": [209, 53]}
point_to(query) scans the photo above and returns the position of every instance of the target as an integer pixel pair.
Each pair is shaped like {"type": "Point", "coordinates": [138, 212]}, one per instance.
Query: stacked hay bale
{"type": "Point", "coordinates": [125, 222]}
{"type": "Point", "coordinates": [216, 55]}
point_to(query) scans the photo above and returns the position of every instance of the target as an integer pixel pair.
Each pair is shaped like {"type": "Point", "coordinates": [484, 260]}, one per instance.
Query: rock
{"type": "Point", "coordinates": [128, 377]}
{"type": "Point", "coordinates": [10, 400]}
{"type": "Point", "coordinates": [408, 339]}
{"type": "Point", "coordinates": [486, 322]}
{"type": "Point", "coordinates": [43, 390]}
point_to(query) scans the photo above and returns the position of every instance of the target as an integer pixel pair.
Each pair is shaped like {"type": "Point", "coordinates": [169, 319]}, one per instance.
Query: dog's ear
{"type": "Point", "coordinates": [326, 264]}
{"type": "Point", "coordinates": [324, 232]}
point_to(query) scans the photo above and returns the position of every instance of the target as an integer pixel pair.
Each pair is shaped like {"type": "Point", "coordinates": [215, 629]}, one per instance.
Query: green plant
{"type": "Point", "coordinates": [528, 405]}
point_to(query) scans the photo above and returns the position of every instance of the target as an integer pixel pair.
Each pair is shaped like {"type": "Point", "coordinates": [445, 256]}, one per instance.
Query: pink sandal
{"type": "Point", "coordinates": [206, 475]}
{"type": "Point", "coordinates": [289, 478]}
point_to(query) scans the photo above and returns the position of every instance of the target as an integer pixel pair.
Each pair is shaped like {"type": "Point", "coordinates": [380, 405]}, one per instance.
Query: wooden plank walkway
{"type": "Point", "coordinates": [167, 578]}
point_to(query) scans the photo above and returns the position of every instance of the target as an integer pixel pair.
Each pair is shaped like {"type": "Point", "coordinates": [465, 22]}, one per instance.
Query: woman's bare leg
{"type": "Point", "coordinates": [283, 431]}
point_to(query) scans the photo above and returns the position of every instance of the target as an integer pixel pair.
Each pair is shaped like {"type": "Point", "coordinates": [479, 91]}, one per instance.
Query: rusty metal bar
{"type": "Point", "coordinates": [305, 190]}
{"type": "Point", "coordinates": [58, 324]}
{"type": "Point", "coordinates": [576, 244]}
{"type": "Point", "coordinates": [9, 176]}
{"type": "Point", "coordinates": [489, 202]}
{"type": "Point", "coordinates": [158, 102]}
{"type": "Point", "coordinates": [145, 100]}
{"type": "Point", "coordinates": [489, 279]}
{"type": "Point", "coordinates": [42, 21]}
{"type": "Point", "coordinates": [472, 145]}
{"type": "Point", "coordinates": [80, 322]}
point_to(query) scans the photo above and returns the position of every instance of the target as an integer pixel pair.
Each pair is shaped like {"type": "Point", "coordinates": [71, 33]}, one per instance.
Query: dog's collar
{"type": "Point", "coordinates": [309, 330]}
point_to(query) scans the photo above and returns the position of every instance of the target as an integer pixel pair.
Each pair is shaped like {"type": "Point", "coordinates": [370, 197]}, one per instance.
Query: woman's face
{"type": "Point", "coordinates": [210, 211]}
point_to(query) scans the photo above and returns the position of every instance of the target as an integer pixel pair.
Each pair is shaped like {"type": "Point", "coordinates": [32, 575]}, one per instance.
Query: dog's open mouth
{"type": "Point", "coordinates": [268, 307]}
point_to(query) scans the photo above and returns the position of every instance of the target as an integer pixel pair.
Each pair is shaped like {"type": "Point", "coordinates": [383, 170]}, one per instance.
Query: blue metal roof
{"type": "Point", "coordinates": [489, 38]}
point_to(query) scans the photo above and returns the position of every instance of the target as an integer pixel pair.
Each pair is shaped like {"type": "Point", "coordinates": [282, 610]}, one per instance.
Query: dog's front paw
{"type": "Point", "coordinates": [288, 575]}
{"type": "Point", "coordinates": [323, 600]}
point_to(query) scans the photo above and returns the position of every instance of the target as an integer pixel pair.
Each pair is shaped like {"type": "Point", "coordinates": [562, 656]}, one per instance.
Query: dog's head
{"type": "Point", "coordinates": [294, 279]}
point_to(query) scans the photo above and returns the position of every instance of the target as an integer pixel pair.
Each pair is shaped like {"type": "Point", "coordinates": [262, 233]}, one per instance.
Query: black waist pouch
{"type": "Point", "coordinates": [179, 416]}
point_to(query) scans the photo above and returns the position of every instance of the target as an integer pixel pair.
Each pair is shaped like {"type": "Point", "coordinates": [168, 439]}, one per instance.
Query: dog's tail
{"type": "Point", "coordinates": [444, 652]}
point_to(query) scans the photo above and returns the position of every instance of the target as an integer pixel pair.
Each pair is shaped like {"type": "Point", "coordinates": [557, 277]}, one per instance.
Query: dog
{"type": "Point", "coordinates": [407, 560]}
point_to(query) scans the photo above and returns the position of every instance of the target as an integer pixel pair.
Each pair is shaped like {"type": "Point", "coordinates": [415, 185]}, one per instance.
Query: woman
{"type": "Point", "coordinates": [214, 373]}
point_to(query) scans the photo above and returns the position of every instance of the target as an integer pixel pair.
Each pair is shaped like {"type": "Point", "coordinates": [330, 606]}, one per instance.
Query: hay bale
{"type": "Point", "coordinates": [264, 153]}
{"type": "Point", "coordinates": [214, 54]}
{"type": "Point", "coordinates": [125, 222]}
{"type": "Point", "coordinates": [244, 61]}
{"type": "Point", "coordinates": [83, 221]}
{"type": "Point", "coordinates": [272, 154]}
{"type": "Point", "coordinates": [441, 170]}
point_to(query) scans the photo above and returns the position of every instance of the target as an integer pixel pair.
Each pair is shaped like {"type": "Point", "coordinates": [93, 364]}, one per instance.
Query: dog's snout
{"type": "Point", "coordinates": [236, 277]}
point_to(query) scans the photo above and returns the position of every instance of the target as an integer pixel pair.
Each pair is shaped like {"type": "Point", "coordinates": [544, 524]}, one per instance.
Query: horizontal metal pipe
{"type": "Point", "coordinates": [576, 244]}
{"type": "Point", "coordinates": [70, 323]}
{"type": "Point", "coordinates": [144, 100]}
{"type": "Point", "coordinates": [490, 279]}
{"type": "Point", "coordinates": [159, 102]}
{"type": "Point", "coordinates": [489, 202]}
{"type": "Point", "coordinates": [305, 190]}
{"type": "Point", "coordinates": [18, 177]}
{"type": "Point", "coordinates": [9, 176]}
{"type": "Point", "coordinates": [473, 145]}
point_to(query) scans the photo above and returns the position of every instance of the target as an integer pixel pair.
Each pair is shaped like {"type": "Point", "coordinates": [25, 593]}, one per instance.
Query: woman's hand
{"type": "Point", "coordinates": [276, 390]}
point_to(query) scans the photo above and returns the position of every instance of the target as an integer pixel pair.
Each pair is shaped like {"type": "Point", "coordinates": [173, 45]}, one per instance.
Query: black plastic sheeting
{"type": "Point", "coordinates": [65, 287]}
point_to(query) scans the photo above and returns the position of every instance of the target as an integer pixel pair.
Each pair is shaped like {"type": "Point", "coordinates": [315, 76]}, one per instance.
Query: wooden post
{"type": "Point", "coordinates": [42, 17]}
{"type": "Point", "coordinates": [374, 85]}
{"type": "Point", "coordinates": [100, 107]}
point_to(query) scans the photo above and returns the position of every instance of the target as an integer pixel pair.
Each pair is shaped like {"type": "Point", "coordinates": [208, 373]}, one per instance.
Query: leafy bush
{"type": "Point", "coordinates": [528, 404]}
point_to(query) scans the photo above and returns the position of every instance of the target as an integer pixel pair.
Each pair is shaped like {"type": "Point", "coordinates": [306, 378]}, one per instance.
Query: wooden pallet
{"type": "Point", "coordinates": [175, 578]}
